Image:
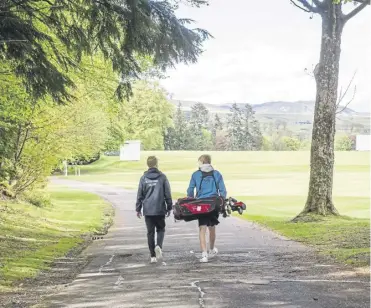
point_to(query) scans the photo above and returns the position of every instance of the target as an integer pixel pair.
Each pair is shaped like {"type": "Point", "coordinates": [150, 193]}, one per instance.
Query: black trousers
{"type": "Point", "coordinates": [152, 223]}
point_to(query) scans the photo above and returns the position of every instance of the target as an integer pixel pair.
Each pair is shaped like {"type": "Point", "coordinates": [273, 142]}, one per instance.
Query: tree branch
{"type": "Point", "coordinates": [294, 3]}
{"type": "Point", "coordinates": [341, 96]}
{"type": "Point", "coordinates": [308, 7]}
{"type": "Point", "coordinates": [358, 9]}
{"type": "Point", "coordinates": [12, 41]}
{"type": "Point", "coordinates": [347, 104]}
{"type": "Point", "coordinates": [363, 1]}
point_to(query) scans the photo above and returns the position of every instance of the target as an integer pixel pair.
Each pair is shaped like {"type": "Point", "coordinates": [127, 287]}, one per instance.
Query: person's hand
{"type": "Point", "coordinates": [139, 215]}
{"type": "Point", "coordinates": [168, 213]}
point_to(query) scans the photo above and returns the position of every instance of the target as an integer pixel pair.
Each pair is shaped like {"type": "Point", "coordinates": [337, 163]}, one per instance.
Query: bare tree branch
{"type": "Point", "coordinates": [347, 104]}
{"type": "Point", "coordinates": [12, 41]}
{"type": "Point", "coordinates": [307, 7]}
{"type": "Point", "coordinates": [341, 96]}
{"type": "Point", "coordinates": [363, 1]}
{"type": "Point", "coordinates": [294, 3]}
{"type": "Point", "coordinates": [358, 9]}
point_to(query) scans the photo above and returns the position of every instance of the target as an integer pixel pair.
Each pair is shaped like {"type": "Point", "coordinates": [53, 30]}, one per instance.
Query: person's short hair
{"type": "Point", "coordinates": [205, 159]}
{"type": "Point", "coordinates": [152, 162]}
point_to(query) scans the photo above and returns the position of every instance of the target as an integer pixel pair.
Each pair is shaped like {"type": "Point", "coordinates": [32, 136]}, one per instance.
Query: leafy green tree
{"type": "Point", "coordinates": [36, 134]}
{"type": "Point", "coordinates": [291, 143]}
{"type": "Point", "coordinates": [276, 143]}
{"type": "Point", "coordinates": [146, 117]}
{"type": "Point", "coordinates": [343, 143]}
{"type": "Point", "coordinates": [266, 144]}
{"type": "Point", "coordinates": [45, 135]}
{"type": "Point", "coordinates": [42, 40]}
{"type": "Point", "coordinates": [326, 73]}
{"type": "Point", "coordinates": [207, 140]}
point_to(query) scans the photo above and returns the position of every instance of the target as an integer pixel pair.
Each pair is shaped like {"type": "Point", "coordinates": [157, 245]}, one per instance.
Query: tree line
{"type": "Point", "coordinates": [200, 130]}
{"type": "Point", "coordinates": [239, 130]}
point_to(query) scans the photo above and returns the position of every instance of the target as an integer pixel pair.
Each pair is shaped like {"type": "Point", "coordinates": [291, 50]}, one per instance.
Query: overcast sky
{"type": "Point", "coordinates": [260, 51]}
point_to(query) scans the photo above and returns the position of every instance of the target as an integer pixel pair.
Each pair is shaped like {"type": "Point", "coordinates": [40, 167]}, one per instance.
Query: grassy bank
{"type": "Point", "coordinates": [32, 237]}
{"type": "Point", "coordinates": [343, 238]}
{"type": "Point", "coordinates": [274, 187]}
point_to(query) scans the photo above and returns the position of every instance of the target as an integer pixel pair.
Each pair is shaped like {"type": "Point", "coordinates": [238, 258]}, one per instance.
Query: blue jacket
{"type": "Point", "coordinates": [208, 187]}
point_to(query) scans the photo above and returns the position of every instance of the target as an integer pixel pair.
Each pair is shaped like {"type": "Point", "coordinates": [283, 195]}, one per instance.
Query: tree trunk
{"type": "Point", "coordinates": [319, 199]}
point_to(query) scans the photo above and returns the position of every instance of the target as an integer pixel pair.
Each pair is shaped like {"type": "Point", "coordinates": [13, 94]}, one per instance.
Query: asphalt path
{"type": "Point", "coordinates": [254, 268]}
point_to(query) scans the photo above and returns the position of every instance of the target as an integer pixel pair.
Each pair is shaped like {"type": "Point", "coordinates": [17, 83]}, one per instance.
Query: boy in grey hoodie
{"type": "Point", "coordinates": [154, 197]}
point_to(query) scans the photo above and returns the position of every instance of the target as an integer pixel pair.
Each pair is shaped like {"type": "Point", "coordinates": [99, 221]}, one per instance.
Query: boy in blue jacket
{"type": "Point", "coordinates": [208, 183]}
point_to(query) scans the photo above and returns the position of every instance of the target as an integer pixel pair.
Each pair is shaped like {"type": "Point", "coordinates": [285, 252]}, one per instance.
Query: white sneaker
{"type": "Point", "coordinates": [213, 252]}
{"type": "Point", "coordinates": [204, 258]}
{"type": "Point", "coordinates": [153, 260]}
{"type": "Point", "coordinates": [158, 252]}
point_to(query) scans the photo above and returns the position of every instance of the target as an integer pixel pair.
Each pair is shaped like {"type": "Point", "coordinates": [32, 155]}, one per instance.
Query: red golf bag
{"type": "Point", "coordinates": [188, 209]}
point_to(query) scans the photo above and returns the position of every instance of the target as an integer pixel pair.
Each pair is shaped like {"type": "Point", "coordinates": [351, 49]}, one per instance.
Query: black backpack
{"type": "Point", "coordinates": [205, 175]}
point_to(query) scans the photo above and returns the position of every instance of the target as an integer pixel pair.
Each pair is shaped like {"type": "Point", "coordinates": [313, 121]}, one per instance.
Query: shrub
{"type": "Point", "coordinates": [291, 143]}
{"type": "Point", "coordinates": [6, 190]}
{"type": "Point", "coordinates": [343, 143]}
{"type": "Point", "coordinates": [37, 198]}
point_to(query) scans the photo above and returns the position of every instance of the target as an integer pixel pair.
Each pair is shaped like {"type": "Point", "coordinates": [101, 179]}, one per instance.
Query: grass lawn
{"type": "Point", "coordinates": [274, 187]}
{"type": "Point", "coordinates": [32, 237]}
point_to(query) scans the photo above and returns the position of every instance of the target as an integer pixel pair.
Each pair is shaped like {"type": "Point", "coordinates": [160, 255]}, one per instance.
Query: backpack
{"type": "Point", "coordinates": [204, 175]}
{"type": "Point", "coordinates": [189, 209]}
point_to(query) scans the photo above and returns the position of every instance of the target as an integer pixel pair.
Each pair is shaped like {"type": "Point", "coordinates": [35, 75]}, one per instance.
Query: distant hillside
{"type": "Point", "coordinates": [271, 108]}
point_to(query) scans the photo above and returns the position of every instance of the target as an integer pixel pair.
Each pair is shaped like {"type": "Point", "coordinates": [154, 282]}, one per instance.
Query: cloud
{"type": "Point", "coordinates": [260, 52]}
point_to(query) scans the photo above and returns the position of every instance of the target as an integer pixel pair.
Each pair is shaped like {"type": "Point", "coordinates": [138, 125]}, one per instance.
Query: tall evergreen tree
{"type": "Point", "coordinates": [199, 122]}
{"type": "Point", "coordinates": [252, 137]}
{"type": "Point", "coordinates": [40, 40]}
{"type": "Point", "coordinates": [216, 127]}
{"type": "Point", "coordinates": [199, 116]}
{"type": "Point", "coordinates": [235, 127]}
{"type": "Point", "coordinates": [247, 140]}
{"type": "Point", "coordinates": [243, 129]}
{"type": "Point", "coordinates": [256, 134]}
{"type": "Point", "coordinates": [218, 124]}
{"type": "Point", "coordinates": [178, 138]}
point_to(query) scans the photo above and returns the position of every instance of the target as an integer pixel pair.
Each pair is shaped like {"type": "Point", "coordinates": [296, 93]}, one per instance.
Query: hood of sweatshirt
{"type": "Point", "coordinates": [206, 168]}
{"type": "Point", "coordinates": [152, 173]}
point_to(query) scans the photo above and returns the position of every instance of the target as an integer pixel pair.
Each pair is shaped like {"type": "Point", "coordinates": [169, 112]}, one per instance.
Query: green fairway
{"type": "Point", "coordinates": [274, 187]}
{"type": "Point", "coordinates": [32, 237]}
{"type": "Point", "coordinates": [271, 183]}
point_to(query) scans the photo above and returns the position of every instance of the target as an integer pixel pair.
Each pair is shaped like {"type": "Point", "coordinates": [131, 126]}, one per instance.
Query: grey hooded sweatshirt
{"type": "Point", "coordinates": [154, 194]}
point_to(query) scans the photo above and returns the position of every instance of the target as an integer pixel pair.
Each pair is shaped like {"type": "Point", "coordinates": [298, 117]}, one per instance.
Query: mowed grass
{"type": "Point", "coordinates": [274, 187]}
{"type": "Point", "coordinates": [31, 238]}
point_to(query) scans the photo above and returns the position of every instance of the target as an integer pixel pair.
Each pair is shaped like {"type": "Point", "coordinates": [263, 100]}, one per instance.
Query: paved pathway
{"type": "Point", "coordinates": [255, 268]}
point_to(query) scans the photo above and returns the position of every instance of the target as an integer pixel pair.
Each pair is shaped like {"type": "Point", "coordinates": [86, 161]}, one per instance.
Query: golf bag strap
{"type": "Point", "coordinates": [202, 178]}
